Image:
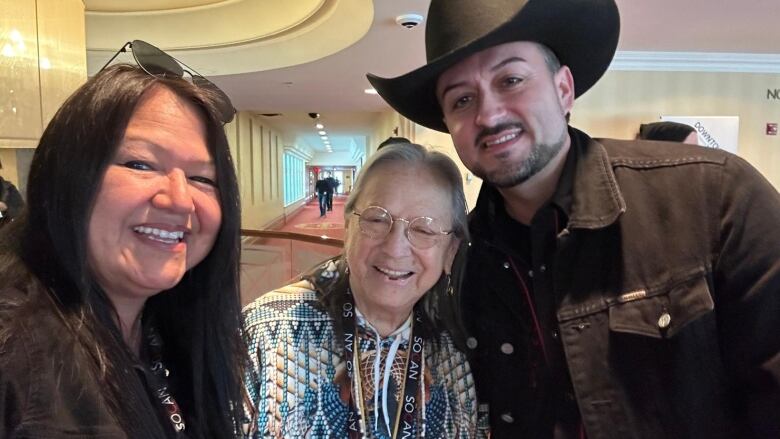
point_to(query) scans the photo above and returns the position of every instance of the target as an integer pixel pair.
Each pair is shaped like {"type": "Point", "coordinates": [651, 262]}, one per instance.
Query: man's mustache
{"type": "Point", "coordinates": [492, 131]}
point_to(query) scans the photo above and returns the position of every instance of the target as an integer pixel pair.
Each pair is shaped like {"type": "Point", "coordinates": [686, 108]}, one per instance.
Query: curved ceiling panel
{"type": "Point", "coordinates": [220, 24]}
{"type": "Point", "coordinates": [238, 36]}
{"type": "Point", "coordinates": [144, 5]}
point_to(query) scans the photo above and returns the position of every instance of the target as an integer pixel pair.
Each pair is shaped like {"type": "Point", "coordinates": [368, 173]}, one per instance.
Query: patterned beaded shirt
{"type": "Point", "coordinates": [298, 382]}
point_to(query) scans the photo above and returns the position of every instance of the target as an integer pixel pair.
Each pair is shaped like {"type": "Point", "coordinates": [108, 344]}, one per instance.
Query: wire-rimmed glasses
{"type": "Point", "coordinates": [423, 232]}
{"type": "Point", "coordinates": [159, 64]}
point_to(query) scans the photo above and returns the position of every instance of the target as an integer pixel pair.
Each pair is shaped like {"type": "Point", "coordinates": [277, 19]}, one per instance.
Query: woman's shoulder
{"type": "Point", "coordinates": [22, 311]}
{"type": "Point", "coordinates": [46, 384]}
{"type": "Point", "coordinates": [446, 359]}
{"type": "Point", "coordinates": [295, 302]}
{"type": "Point", "coordinates": [29, 327]}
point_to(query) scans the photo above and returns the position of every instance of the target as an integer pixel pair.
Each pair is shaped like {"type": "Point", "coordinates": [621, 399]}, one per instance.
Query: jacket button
{"type": "Point", "coordinates": [664, 320]}
{"type": "Point", "coordinates": [530, 273]}
{"type": "Point", "coordinates": [555, 334]}
{"type": "Point", "coordinates": [543, 268]}
{"type": "Point", "coordinates": [508, 418]}
{"type": "Point", "coordinates": [471, 343]}
{"type": "Point", "coordinates": [507, 348]}
{"type": "Point", "coordinates": [506, 265]}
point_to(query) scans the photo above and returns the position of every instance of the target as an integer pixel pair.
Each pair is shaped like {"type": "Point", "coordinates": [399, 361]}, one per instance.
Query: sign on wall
{"type": "Point", "coordinates": [721, 132]}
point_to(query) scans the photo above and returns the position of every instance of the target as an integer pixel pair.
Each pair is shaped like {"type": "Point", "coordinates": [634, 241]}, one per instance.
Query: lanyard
{"type": "Point", "coordinates": [406, 416]}
{"type": "Point", "coordinates": [160, 385]}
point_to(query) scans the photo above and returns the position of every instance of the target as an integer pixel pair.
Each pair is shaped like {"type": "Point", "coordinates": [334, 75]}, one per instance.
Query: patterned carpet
{"type": "Point", "coordinates": [308, 220]}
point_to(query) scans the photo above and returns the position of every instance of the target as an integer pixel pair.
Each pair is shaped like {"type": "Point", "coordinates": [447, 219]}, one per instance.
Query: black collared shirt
{"type": "Point", "coordinates": [530, 250]}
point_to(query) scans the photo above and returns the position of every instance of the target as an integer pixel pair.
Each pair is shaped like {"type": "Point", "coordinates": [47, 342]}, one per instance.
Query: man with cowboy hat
{"type": "Point", "coordinates": [615, 289]}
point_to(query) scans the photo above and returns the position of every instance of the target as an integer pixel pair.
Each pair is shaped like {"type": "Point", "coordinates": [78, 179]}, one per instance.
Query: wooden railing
{"type": "Point", "coordinates": [324, 240]}
{"type": "Point", "coordinates": [271, 259]}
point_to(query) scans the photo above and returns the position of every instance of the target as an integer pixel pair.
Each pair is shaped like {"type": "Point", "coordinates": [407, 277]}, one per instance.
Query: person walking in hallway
{"type": "Point", "coordinates": [333, 184]}
{"type": "Point", "coordinates": [321, 188]}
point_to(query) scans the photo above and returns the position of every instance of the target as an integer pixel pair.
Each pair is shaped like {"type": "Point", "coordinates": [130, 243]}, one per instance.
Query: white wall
{"type": "Point", "coordinates": [335, 158]}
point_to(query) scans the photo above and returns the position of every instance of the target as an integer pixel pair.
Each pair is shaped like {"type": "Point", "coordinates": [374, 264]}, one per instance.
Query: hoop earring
{"type": "Point", "coordinates": [450, 290]}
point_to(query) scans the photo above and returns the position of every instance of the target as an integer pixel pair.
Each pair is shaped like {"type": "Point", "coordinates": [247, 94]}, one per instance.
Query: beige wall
{"type": "Point", "coordinates": [257, 152]}
{"type": "Point", "coordinates": [443, 143]}
{"type": "Point", "coordinates": [43, 62]}
{"type": "Point", "coordinates": [386, 122]}
{"type": "Point", "coordinates": [622, 100]}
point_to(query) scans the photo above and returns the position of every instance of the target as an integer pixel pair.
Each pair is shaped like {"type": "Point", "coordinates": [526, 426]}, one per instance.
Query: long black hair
{"type": "Point", "coordinates": [198, 319]}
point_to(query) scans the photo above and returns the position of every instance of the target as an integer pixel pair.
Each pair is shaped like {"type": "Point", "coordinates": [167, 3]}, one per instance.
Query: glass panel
{"type": "Point", "coordinates": [270, 262]}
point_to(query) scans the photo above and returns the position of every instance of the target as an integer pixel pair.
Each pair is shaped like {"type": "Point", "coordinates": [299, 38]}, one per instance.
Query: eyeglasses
{"type": "Point", "coordinates": [422, 232]}
{"type": "Point", "coordinates": [161, 65]}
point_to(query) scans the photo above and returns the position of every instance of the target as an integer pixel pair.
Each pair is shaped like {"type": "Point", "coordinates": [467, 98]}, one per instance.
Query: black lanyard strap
{"type": "Point", "coordinates": [406, 415]}
{"type": "Point", "coordinates": [160, 382]}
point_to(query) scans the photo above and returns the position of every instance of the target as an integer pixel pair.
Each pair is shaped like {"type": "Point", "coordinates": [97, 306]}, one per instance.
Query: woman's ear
{"type": "Point", "coordinates": [450, 253]}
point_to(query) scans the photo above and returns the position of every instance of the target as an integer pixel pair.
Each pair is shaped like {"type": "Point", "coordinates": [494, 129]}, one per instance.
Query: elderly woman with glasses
{"type": "Point", "coordinates": [119, 306]}
{"type": "Point", "coordinates": [359, 348]}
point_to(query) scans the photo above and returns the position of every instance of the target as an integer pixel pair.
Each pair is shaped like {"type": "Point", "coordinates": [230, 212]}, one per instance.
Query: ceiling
{"type": "Point", "coordinates": [144, 5]}
{"type": "Point", "coordinates": [334, 85]}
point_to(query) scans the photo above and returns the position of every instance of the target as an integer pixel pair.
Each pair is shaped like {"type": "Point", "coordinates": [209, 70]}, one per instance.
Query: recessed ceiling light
{"type": "Point", "coordinates": [370, 91]}
{"type": "Point", "coordinates": [322, 133]}
{"type": "Point", "coordinates": [324, 137]}
{"type": "Point", "coordinates": [319, 126]}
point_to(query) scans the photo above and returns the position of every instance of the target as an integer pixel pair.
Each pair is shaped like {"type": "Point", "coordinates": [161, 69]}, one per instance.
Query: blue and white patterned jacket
{"type": "Point", "coordinates": [298, 384]}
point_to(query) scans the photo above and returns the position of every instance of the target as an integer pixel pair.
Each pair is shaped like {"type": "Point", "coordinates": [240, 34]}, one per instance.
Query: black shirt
{"type": "Point", "coordinates": [531, 251]}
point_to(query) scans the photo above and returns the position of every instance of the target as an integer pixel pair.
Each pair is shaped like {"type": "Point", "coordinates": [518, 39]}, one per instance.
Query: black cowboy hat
{"type": "Point", "coordinates": [583, 34]}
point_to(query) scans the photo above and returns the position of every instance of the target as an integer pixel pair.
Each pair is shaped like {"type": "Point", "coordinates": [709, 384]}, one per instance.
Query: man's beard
{"type": "Point", "coordinates": [512, 173]}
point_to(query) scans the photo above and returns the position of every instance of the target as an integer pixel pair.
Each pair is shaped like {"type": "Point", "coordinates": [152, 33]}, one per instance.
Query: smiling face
{"type": "Point", "coordinates": [506, 111]}
{"type": "Point", "coordinates": [388, 275]}
{"type": "Point", "coordinates": [157, 212]}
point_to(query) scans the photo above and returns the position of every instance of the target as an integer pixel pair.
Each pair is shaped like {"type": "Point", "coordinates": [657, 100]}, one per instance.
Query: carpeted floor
{"type": "Point", "coordinates": [309, 222]}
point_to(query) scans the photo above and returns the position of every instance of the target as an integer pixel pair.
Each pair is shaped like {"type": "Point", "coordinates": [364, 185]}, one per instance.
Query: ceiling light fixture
{"type": "Point", "coordinates": [319, 126]}
{"type": "Point", "coordinates": [321, 133]}
{"type": "Point", "coordinates": [370, 91]}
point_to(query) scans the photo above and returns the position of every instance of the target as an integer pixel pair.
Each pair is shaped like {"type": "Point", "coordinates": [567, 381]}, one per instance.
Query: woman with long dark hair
{"type": "Point", "coordinates": [119, 299]}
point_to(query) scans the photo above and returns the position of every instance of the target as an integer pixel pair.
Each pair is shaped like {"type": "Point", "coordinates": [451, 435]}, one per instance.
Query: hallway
{"type": "Point", "coordinates": [308, 221]}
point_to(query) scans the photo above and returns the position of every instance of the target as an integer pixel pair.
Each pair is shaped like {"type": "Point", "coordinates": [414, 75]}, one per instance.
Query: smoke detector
{"type": "Point", "coordinates": [409, 20]}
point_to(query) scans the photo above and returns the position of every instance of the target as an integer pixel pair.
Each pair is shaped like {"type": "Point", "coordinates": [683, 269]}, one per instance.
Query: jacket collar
{"type": "Point", "coordinates": [596, 201]}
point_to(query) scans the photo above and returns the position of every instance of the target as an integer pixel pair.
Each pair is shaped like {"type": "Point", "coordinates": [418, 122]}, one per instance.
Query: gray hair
{"type": "Point", "coordinates": [550, 59]}
{"type": "Point", "coordinates": [553, 64]}
{"type": "Point", "coordinates": [413, 154]}
{"type": "Point", "coordinates": [439, 306]}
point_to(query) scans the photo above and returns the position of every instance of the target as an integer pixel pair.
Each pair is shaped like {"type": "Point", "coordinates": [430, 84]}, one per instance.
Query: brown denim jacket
{"type": "Point", "coordinates": [667, 290]}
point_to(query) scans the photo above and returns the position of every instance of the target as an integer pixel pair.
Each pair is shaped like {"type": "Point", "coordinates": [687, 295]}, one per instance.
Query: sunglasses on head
{"type": "Point", "coordinates": [161, 65]}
